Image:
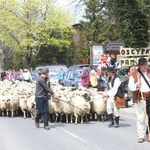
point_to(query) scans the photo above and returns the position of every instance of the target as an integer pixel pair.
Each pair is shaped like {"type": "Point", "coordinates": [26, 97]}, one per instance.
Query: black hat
{"type": "Point", "coordinates": [111, 69]}
{"type": "Point", "coordinates": [142, 61]}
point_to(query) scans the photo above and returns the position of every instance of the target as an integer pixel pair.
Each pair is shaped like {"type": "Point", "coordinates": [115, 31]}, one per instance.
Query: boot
{"type": "Point", "coordinates": [116, 122]}
{"type": "Point", "coordinates": [111, 120]}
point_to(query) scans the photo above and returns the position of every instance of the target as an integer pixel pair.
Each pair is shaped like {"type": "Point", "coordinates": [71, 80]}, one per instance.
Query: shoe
{"type": "Point", "coordinates": [116, 125]}
{"type": "Point", "coordinates": [37, 124]}
{"type": "Point", "coordinates": [47, 127]}
{"type": "Point", "coordinates": [111, 124]}
{"type": "Point", "coordinates": [140, 140]}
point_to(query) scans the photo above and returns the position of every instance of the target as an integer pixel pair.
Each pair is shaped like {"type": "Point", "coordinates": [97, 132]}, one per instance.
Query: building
{"type": "Point", "coordinates": [113, 47]}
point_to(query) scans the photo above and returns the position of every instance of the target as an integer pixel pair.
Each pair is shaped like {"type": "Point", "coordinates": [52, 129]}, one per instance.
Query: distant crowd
{"type": "Point", "coordinates": [12, 75]}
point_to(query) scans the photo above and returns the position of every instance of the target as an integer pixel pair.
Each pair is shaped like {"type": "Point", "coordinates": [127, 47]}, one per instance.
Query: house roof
{"type": "Point", "coordinates": [113, 46]}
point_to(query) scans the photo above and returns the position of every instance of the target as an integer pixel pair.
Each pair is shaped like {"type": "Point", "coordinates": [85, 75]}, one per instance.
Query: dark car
{"type": "Point", "coordinates": [72, 78]}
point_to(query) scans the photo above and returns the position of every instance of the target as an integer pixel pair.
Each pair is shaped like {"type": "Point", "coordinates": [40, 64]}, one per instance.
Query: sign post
{"type": "Point", "coordinates": [130, 56]}
{"type": "Point", "coordinates": [95, 54]}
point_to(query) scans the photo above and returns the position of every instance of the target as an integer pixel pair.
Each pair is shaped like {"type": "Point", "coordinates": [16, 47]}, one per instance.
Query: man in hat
{"type": "Point", "coordinates": [113, 86]}
{"type": "Point", "coordinates": [139, 83]}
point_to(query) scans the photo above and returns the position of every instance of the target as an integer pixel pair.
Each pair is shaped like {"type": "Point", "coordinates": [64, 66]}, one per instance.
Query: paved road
{"type": "Point", "coordinates": [21, 134]}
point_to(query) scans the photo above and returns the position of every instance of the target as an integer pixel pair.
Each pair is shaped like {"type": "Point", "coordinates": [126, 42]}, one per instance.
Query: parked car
{"type": "Point", "coordinates": [80, 67]}
{"type": "Point", "coordinates": [53, 78]}
{"type": "Point", "coordinates": [72, 78]}
{"type": "Point", "coordinates": [33, 75]}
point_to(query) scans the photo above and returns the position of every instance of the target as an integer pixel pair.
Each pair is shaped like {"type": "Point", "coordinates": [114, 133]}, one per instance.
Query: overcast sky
{"type": "Point", "coordinates": [66, 4]}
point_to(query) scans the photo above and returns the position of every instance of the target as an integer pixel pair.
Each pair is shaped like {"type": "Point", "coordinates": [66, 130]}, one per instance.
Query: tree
{"type": "Point", "coordinates": [125, 20]}
{"type": "Point", "coordinates": [131, 19]}
{"type": "Point", "coordinates": [27, 25]}
{"type": "Point", "coordinates": [92, 26]}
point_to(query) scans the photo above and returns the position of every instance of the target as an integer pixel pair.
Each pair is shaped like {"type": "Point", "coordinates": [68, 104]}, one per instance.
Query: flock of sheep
{"type": "Point", "coordinates": [73, 103]}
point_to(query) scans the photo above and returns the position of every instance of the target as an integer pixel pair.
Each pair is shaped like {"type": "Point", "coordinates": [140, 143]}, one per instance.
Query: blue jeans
{"type": "Point", "coordinates": [42, 109]}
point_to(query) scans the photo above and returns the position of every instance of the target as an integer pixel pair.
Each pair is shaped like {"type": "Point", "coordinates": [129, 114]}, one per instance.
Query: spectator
{"type": "Point", "coordinates": [3, 75]}
{"type": "Point", "coordinates": [7, 75]}
{"type": "Point", "coordinates": [61, 76]}
{"type": "Point", "coordinates": [102, 81]}
{"type": "Point", "coordinates": [85, 78]}
{"type": "Point", "coordinates": [113, 60]}
{"type": "Point", "coordinates": [20, 75]}
{"type": "Point", "coordinates": [108, 61]}
{"type": "Point", "coordinates": [103, 60]}
{"type": "Point", "coordinates": [27, 76]}
{"type": "Point", "coordinates": [94, 82]}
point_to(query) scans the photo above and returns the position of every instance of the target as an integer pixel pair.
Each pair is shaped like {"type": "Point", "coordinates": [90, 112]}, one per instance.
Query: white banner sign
{"type": "Point", "coordinates": [131, 61]}
{"type": "Point", "coordinates": [124, 52]}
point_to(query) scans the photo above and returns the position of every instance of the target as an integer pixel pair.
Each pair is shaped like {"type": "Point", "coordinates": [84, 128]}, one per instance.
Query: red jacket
{"type": "Point", "coordinates": [85, 78]}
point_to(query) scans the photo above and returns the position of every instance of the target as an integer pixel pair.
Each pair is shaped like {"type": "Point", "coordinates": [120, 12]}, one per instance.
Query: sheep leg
{"type": "Point", "coordinates": [71, 117]}
{"type": "Point", "coordinates": [24, 114]}
{"type": "Point", "coordinates": [2, 112]}
{"type": "Point", "coordinates": [76, 118]}
{"type": "Point", "coordinates": [7, 112]}
{"type": "Point", "coordinates": [66, 118]}
{"type": "Point", "coordinates": [12, 113]}
{"type": "Point", "coordinates": [86, 117]}
{"type": "Point", "coordinates": [61, 117]}
{"type": "Point", "coordinates": [82, 119]}
{"type": "Point", "coordinates": [56, 117]}
{"type": "Point", "coordinates": [31, 115]}
{"type": "Point", "coordinates": [16, 112]}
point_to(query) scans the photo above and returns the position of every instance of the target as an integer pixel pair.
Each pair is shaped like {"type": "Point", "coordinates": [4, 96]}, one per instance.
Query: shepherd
{"type": "Point", "coordinates": [139, 83]}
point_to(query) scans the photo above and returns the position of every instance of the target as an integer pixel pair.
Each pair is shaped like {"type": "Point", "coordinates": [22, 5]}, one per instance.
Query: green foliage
{"type": "Point", "coordinates": [27, 25]}
{"type": "Point", "coordinates": [131, 19]}
{"type": "Point", "coordinates": [93, 20]}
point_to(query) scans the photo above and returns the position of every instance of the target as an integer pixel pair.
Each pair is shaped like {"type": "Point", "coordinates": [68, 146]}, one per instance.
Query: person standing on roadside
{"type": "Point", "coordinates": [61, 76]}
{"type": "Point", "coordinates": [27, 76]}
{"type": "Point", "coordinates": [3, 75]}
{"type": "Point", "coordinates": [139, 83]}
{"type": "Point", "coordinates": [41, 98]}
{"type": "Point", "coordinates": [85, 78]}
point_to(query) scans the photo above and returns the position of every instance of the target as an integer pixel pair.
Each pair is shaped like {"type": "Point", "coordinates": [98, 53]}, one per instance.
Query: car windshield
{"type": "Point", "coordinates": [53, 68]}
{"type": "Point", "coordinates": [77, 75]}
{"type": "Point", "coordinates": [53, 76]}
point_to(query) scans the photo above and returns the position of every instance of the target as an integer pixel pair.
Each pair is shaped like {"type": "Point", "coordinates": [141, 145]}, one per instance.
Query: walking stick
{"type": "Point", "coordinates": [146, 117]}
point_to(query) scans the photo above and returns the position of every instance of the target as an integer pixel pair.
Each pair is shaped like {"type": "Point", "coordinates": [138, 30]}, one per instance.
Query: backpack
{"type": "Point", "coordinates": [121, 89]}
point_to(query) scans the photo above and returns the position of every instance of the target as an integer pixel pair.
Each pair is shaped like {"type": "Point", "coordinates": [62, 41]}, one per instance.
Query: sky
{"type": "Point", "coordinates": [77, 13]}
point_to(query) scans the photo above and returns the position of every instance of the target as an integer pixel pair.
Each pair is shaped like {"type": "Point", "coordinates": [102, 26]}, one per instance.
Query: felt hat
{"type": "Point", "coordinates": [142, 61]}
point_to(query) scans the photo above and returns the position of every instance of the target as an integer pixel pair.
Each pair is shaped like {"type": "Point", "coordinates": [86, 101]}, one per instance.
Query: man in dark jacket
{"type": "Point", "coordinates": [3, 75]}
{"type": "Point", "coordinates": [41, 98]}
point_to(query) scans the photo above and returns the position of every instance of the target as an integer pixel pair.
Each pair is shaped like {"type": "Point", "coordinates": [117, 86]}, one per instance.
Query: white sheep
{"type": "Point", "coordinates": [81, 108]}
{"type": "Point", "coordinates": [14, 105]}
{"type": "Point", "coordinates": [99, 105]}
{"type": "Point", "coordinates": [23, 104]}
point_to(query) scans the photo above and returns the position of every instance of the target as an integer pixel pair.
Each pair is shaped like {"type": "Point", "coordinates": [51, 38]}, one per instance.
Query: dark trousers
{"type": "Point", "coordinates": [42, 109]}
